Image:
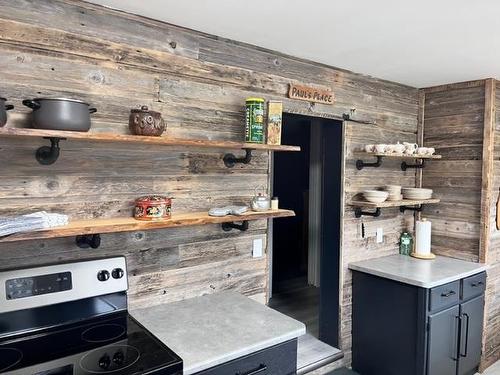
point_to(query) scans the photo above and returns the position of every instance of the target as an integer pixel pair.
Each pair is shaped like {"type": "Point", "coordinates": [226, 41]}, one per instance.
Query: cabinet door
{"type": "Point", "coordinates": [443, 342]}
{"type": "Point", "coordinates": [471, 335]}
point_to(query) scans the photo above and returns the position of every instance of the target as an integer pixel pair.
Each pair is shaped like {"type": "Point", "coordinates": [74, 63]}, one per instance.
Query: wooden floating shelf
{"type": "Point", "coordinates": [360, 164]}
{"type": "Point", "coordinates": [386, 204]}
{"type": "Point", "coordinates": [405, 204]}
{"type": "Point", "coordinates": [129, 224]}
{"type": "Point", "coordinates": [397, 156]}
{"type": "Point", "coordinates": [122, 138]}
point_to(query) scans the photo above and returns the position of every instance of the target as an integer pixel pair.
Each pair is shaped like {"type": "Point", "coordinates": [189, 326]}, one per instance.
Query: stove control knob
{"type": "Point", "coordinates": [102, 275]}
{"type": "Point", "coordinates": [117, 273]}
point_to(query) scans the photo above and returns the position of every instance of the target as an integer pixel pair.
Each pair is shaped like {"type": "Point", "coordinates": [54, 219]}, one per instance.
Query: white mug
{"type": "Point", "coordinates": [380, 147]}
{"type": "Point", "coordinates": [369, 148]}
{"type": "Point", "coordinates": [410, 148]}
{"type": "Point", "coordinates": [422, 151]}
{"type": "Point", "coordinates": [399, 148]}
{"type": "Point", "coordinates": [390, 148]}
{"type": "Point", "coordinates": [431, 150]}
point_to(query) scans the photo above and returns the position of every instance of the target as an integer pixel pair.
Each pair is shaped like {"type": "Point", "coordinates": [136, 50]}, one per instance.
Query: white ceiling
{"type": "Point", "coordinates": [419, 43]}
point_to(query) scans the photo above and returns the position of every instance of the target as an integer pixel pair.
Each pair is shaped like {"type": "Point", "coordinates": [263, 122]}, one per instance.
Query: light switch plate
{"type": "Point", "coordinates": [380, 235]}
{"type": "Point", "coordinates": [257, 248]}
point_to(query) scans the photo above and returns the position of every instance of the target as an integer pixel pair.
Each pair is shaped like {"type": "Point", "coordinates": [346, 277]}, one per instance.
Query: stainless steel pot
{"type": "Point", "coordinates": [3, 111]}
{"type": "Point", "coordinates": [60, 114]}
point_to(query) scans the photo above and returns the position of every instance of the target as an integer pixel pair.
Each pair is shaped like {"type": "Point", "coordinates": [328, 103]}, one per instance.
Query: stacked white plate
{"type": "Point", "coordinates": [394, 192]}
{"type": "Point", "coordinates": [417, 193]}
{"type": "Point", "coordinates": [375, 196]}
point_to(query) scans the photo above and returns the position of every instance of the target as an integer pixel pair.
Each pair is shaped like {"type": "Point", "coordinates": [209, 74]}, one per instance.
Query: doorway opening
{"type": "Point", "coordinates": [306, 248]}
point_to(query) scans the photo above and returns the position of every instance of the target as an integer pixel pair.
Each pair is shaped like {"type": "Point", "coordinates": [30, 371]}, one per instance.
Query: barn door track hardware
{"type": "Point", "coordinates": [230, 160]}
{"type": "Point", "coordinates": [47, 155]}
{"type": "Point", "coordinates": [226, 227]}
{"type": "Point", "coordinates": [358, 212]}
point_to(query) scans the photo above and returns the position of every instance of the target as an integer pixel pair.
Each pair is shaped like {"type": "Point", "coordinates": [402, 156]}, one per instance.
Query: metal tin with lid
{"type": "Point", "coordinates": [153, 207]}
{"type": "Point", "coordinates": [254, 120]}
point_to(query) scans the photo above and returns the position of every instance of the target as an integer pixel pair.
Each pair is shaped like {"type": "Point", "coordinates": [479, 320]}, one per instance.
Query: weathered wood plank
{"type": "Point", "coordinates": [487, 168]}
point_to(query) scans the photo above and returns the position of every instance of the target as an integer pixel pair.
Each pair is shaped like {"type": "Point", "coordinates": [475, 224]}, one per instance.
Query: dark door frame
{"type": "Point", "coordinates": [328, 305]}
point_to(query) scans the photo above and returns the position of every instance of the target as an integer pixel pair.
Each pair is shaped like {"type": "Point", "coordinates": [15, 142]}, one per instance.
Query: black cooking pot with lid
{"type": "Point", "coordinates": [3, 111]}
{"type": "Point", "coordinates": [60, 114]}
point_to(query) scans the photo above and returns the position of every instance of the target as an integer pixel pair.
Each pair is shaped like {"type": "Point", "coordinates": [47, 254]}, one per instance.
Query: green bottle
{"type": "Point", "coordinates": [405, 244]}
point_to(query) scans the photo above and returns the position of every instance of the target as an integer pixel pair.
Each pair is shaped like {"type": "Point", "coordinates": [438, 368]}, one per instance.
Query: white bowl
{"type": "Point", "coordinates": [378, 193]}
{"type": "Point", "coordinates": [395, 197]}
{"type": "Point", "coordinates": [375, 196]}
{"type": "Point", "coordinates": [393, 189]}
{"type": "Point", "coordinates": [376, 199]}
{"type": "Point", "coordinates": [417, 196]}
{"type": "Point", "coordinates": [417, 190]}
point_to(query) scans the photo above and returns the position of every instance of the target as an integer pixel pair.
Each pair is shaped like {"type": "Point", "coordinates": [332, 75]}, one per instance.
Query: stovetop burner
{"type": "Point", "coordinates": [109, 359]}
{"type": "Point", "coordinates": [114, 344]}
{"type": "Point", "coordinates": [104, 333]}
{"type": "Point", "coordinates": [9, 357]}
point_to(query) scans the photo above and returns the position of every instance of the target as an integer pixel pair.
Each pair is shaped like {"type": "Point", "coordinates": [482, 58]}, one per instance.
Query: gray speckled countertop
{"type": "Point", "coordinates": [422, 273]}
{"type": "Point", "coordinates": [213, 329]}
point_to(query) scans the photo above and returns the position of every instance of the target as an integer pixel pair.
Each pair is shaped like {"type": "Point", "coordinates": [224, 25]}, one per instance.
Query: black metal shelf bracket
{"type": "Point", "coordinates": [226, 227]}
{"type": "Point", "coordinates": [358, 212]}
{"type": "Point", "coordinates": [419, 208]}
{"type": "Point", "coordinates": [360, 164]}
{"type": "Point", "coordinates": [48, 155]}
{"type": "Point", "coordinates": [405, 166]}
{"type": "Point", "coordinates": [230, 160]}
{"type": "Point", "coordinates": [86, 241]}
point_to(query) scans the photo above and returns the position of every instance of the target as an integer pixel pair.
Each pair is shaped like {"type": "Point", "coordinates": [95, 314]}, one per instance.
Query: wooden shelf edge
{"type": "Point", "coordinates": [129, 224]}
{"type": "Point", "coordinates": [395, 156]}
{"type": "Point", "coordinates": [388, 204]}
{"type": "Point", "coordinates": [123, 138]}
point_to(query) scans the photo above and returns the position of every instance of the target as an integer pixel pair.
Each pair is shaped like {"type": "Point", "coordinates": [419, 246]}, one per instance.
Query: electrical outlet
{"type": "Point", "coordinates": [257, 248]}
{"type": "Point", "coordinates": [380, 235]}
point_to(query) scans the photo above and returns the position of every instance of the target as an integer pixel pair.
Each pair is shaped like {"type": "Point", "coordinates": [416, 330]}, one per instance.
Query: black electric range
{"type": "Point", "coordinates": [46, 328]}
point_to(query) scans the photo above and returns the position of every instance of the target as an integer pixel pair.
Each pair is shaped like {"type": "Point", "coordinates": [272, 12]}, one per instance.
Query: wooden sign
{"type": "Point", "coordinates": [310, 94]}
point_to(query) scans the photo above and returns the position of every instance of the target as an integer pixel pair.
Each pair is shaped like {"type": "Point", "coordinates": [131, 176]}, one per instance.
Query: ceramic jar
{"type": "Point", "coordinates": [153, 207]}
{"type": "Point", "coordinates": [145, 122]}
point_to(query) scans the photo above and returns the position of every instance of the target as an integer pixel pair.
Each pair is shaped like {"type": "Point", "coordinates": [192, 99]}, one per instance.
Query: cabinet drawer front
{"type": "Point", "coordinates": [473, 286]}
{"type": "Point", "coordinates": [444, 296]}
{"type": "Point", "coordinates": [277, 360]}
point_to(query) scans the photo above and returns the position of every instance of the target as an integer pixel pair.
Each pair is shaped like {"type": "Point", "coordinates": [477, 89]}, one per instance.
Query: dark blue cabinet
{"type": "Point", "coordinates": [404, 329]}
{"type": "Point", "coordinates": [276, 360]}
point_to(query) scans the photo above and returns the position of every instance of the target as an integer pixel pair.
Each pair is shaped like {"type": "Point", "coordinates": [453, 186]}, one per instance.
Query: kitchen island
{"type": "Point", "coordinates": [429, 312]}
{"type": "Point", "coordinates": [212, 330]}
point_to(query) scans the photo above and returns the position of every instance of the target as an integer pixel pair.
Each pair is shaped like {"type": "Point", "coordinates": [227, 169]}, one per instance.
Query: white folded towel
{"type": "Point", "coordinates": [31, 222]}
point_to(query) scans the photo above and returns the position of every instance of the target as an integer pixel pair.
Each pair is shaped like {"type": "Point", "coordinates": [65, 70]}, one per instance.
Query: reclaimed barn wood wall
{"type": "Point", "coordinates": [117, 61]}
{"type": "Point", "coordinates": [453, 124]}
{"type": "Point", "coordinates": [461, 121]}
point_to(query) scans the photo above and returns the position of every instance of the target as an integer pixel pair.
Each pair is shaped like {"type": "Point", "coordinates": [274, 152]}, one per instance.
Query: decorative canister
{"type": "Point", "coordinates": [254, 120]}
{"type": "Point", "coordinates": [153, 207]}
{"type": "Point", "coordinates": [145, 122]}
